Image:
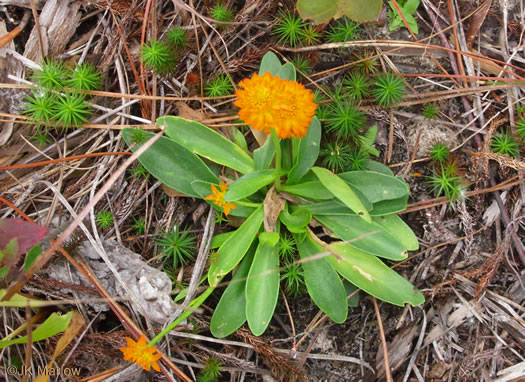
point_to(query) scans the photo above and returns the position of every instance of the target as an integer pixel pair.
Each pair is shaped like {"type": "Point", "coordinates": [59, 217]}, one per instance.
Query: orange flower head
{"type": "Point", "coordinates": [267, 101]}
{"type": "Point", "coordinates": [296, 108]}
{"type": "Point", "coordinates": [142, 354]}
{"type": "Point", "coordinates": [218, 197]}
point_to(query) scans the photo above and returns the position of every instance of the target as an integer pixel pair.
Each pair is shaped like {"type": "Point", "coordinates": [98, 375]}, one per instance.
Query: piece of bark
{"type": "Point", "coordinates": [59, 20]}
{"type": "Point", "coordinates": [23, 3]}
{"type": "Point", "coordinates": [273, 205]}
{"type": "Point", "coordinates": [151, 286]}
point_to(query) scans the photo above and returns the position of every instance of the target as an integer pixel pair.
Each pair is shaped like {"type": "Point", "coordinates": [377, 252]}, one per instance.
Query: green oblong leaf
{"type": "Point", "coordinates": [342, 191]}
{"type": "Point", "coordinates": [335, 207]}
{"type": "Point", "coordinates": [270, 63]}
{"type": "Point", "coordinates": [386, 207]}
{"type": "Point", "coordinates": [240, 140]}
{"type": "Point", "coordinates": [307, 153]}
{"type": "Point", "coordinates": [287, 72]}
{"type": "Point", "coordinates": [219, 239]}
{"type": "Point", "coordinates": [371, 275]}
{"type": "Point", "coordinates": [31, 256]}
{"type": "Point", "coordinates": [171, 163]}
{"type": "Point", "coordinates": [207, 143]}
{"type": "Point", "coordinates": [248, 184]}
{"type": "Point", "coordinates": [376, 186]}
{"type": "Point", "coordinates": [368, 237]}
{"type": "Point", "coordinates": [361, 10]}
{"type": "Point", "coordinates": [297, 221]}
{"type": "Point", "coordinates": [235, 247]}
{"type": "Point", "coordinates": [322, 282]}
{"type": "Point", "coordinates": [320, 11]}
{"type": "Point", "coordinates": [397, 227]}
{"type": "Point", "coordinates": [313, 190]}
{"type": "Point", "coordinates": [53, 325]}
{"type": "Point", "coordinates": [230, 312]}
{"type": "Point", "coordinates": [262, 286]}
{"type": "Point", "coordinates": [329, 207]}
{"type": "Point", "coordinates": [372, 165]}
{"type": "Point", "coordinates": [263, 156]}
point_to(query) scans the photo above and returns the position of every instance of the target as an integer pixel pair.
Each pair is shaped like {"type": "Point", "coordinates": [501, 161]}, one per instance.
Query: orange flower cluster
{"type": "Point", "coordinates": [218, 197]}
{"type": "Point", "coordinates": [142, 354]}
{"type": "Point", "coordinates": [269, 102]}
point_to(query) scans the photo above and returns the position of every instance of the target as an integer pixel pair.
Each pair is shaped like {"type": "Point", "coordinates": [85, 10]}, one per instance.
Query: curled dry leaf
{"type": "Point", "coordinates": [273, 205]}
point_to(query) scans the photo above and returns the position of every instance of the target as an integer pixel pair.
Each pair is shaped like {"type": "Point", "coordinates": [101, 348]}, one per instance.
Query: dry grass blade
{"type": "Point", "coordinates": [47, 254]}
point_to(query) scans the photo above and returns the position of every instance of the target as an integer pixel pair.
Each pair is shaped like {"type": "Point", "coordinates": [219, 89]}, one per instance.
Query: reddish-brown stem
{"type": "Point", "coordinates": [74, 157]}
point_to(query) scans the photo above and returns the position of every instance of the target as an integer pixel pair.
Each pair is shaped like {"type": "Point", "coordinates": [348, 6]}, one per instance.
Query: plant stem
{"type": "Point", "coordinates": [247, 204]}
{"type": "Point", "coordinates": [194, 304]}
{"type": "Point", "coordinates": [277, 146]}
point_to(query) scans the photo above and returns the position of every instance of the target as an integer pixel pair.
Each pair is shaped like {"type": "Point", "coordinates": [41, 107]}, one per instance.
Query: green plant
{"type": "Point", "coordinates": [104, 219]}
{"type": "Point", "coordinates": [344, 30]}
{"type": "Point", "coordinates": [178, 37]}
{"type": "Point", "coordinates": [320, 95]}
{"type": "Point", "coordinates": [138, 171]}
{"type": "Point", "coordinates": [47, 106]}
{"type": "Point", "coordinates": [366, 141]}
{"type": "Point", "coordinates": [322, 106]}
{"type": "Point", "coordinates": [366, 65]}
{"type": "Point", "coordinates": [139, 226]}
{"type": "Point", "coordinates": [346, 120]}
{"type": "Point", "coordinates": [178, 245]}
{"type": "Point", "coordinates": [338, 93]}
{"type": "Point", "coordinates": [287, 248]}
{"type": "Point", "coordinates": [430, 111]}
{"type": "Point", "coordinates": [51, 76]}
{"type": "Point", "coordinates": [447, 182]}
{"type": "Point", "coordinates": [220, 218]}
{"type": "Point", "coordinates": [358, 208]}
{"type": "Point", "coordinates": [310, 35]}
{"type": "Point", "coordinates": [302, 64]}
{"type": "Point", "coordinates": [211, 371]}
{"type": "Point", "coordinates": [520, 128]}
{"type": "Point", "coordinates": [220, 86]}
{"type": "Point", "coordinates": [357, 159]}
{"type": "Point", "coordinates": [84, 77]}
{"type": "Point", "coordinates": [357, 86]}
{"type": "Point", "coordinates": [293, 277]}
{"type": "Point", "coordinates": [289, 29]}
{"type": "Point", "coordinates": [504, 143]}
{"type": "Point", "coordinates": [322, 111]}
{"type": "Point", "coordinates": [71, 110]}
{"type": "Point", "coordinates": [158, 56]}
{"type": "Point", "coordinates": [335, 156]}
{"type": "Point", "coordinates": [139, 136]}
{"type": "Point", "coordinates": [388, 89]}
{"type": "Point", "coordinates": [40, 108]}
{"type": "Point", "coordinates": [439, 152]}
{"type": "Point", "coordinates": [221, 14]}
{"type": "Point", "coordinates": [41, 138]}
{"type": "Point", "coordinates": [408, 8]}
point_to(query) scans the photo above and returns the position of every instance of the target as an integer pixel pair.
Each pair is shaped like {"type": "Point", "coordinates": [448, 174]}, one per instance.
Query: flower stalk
{"type": "Point", "coordinates": [277, 145]}
{"type": "Point", "coordinates": [191, 307]}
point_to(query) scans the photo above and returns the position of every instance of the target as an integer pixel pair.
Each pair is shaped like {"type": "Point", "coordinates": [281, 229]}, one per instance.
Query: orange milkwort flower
{"type": "Point", "coordinates": [267, 101]}
{"type": "Point", "coordinates": [218, 197]}
{"type": "Point", "coordinates": [142, 354]}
